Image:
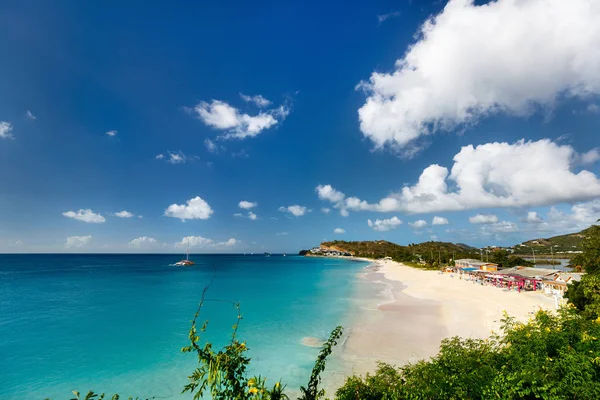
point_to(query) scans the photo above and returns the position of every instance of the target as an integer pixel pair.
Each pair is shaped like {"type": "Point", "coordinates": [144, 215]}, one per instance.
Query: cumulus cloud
{"type": "Point", "coordinates": [229, 243]}
{"type": "Point", "coordinates": [499, 227]}
{"type": "Point", "coordinates": [160, 156]}
{"type": "Point", "coordinates": [124, 214]}
{"type": "Point", "coordinates": [112, 133]}
{"type": "Point", "coordinates": [194, 241]}
{"type": "Point", "coordinates": [339, 231]}
{"type": "Point", "coordinates": [578, 217]}
{"type": "Point", "coordinates": [86, 215]}
{"type": "Point", "coordinates": [472, 61]}
{"type": "Point", "coordinates": [30, 115]}
{"type": "Point", "coordinates": [533, 218]}
{"type": "Point", "coordinates": [259, 100]}
{"type": "Point", "coordinates": [205, 243]}
{"type": "Point", "coordinates": [77, 241]}
{"type": "Point", "coordinates": [325, 210]}
{"type": "Point", "coordinates": [439, 221]}
{"type": "Point", "coordinates": [418, 224]}
{"type": "Point", "coordinates": [143, 241]}
{"type": "Point", "coordinates": [195, 208]}
{"type": "Point", "coordinates": [246, 205]}
{"type": "Point", "coordinates": [238, 125]}
{"type": "Point", "coordinates": [326, 192]}
{"type": "Point", "coordinates": [590, 157]}
{"type": "Point", "coordinates": [250, 215]}
{"type": "Point", "coordinates": [483, 219]}
{"type": "Point", "coordinates": [295, 210]}
{"type": "Point", "coordinates": [491, 175]}
{"type": "Point", "coordinates": [383, 225]}
{"type": "Point", "coordinates": [6, 130]}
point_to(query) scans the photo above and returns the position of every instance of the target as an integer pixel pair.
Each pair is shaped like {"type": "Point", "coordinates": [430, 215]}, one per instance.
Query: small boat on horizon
{"type": "Point", "coordinates": [186, 262]}
{"type": "Point", "coordinates": [267, 254]}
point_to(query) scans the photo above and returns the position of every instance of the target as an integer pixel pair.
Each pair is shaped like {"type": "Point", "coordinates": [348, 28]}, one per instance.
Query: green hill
{"type": "Point", "coordinates": [561, 244]}
{"type": "Point", "coordinates": [427, 251]}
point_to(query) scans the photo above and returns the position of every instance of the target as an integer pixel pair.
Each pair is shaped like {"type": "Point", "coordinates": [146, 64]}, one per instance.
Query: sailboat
{"type": "Point", "coordinates": [186, 262]}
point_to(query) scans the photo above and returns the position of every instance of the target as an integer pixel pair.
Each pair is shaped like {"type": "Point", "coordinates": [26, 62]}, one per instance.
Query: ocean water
{"type": "Point", "coordinates": [116, 323]}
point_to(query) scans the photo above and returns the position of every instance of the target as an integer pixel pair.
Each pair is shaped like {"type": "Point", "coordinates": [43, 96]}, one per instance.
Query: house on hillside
{"type": "Point", "coordinates": [476, 264]}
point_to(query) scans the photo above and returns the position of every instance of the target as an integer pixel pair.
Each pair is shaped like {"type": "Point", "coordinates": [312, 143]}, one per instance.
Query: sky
{"type": "Point", "coordinates": [273, 126]}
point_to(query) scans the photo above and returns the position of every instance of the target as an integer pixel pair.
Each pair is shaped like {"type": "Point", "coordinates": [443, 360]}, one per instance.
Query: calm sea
{"type": "Point", "coordinates": [116, 323]}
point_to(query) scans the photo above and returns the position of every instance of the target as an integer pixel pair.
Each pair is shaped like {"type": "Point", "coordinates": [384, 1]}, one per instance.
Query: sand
{"type": "Point", "coordinates": [416, 309]}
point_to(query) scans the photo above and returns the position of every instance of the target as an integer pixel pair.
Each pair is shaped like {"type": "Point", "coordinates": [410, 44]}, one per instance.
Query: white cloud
{"type": "Point", "coordinates": [590, 157]}
{"type": "Point", "coordinates": [124, 214]}
{"type": "Point", "coordinates": [77, 241]}
{"type": "Point", "coordinates": [86, 215]}
{"type": "Point", "coordinates": [418, 224]}
{"type": "Point", "coordinates": [281, 233]}
{"type": "Point", "coordinates": [246, 205]}
{"type": "Point", "coordinates": [222, 116]}
{"type": "Point", "coordinates": [259, 100]}
{"type": "Point", "coordinates": [204, 243]}
{"type": "Point", "coordinates": [177, 157]}
{"type": "Point", "coordinates": [339, 231]}
{"type": "Point", "coordinates": [472, 61]}
{"type": "Point", "coordinates": [143, 241]}
{"type": "Point", "coordinates": [326, 192]}
{"type": "Point", "coordinates": [483, 219]}
{"type": "Point", "coordinates": [533, 218]}
{"type": "Point", "coordinates": [295, 210]}
{"type": "Point", "coordinates": [229, 243]}
{"type": "Point", "coordinates": [383, 225]}
{"type": "Point", "coordinates": [382, 17]}
{"type": "Point", "coordinates": [194, 241]}
{"type": "Point", "coordinates": [439, 221]}
{"type": "Point", "coordinates": [210, 146]}
{"type": "Point", "coordinates": [6, 130]}
{"type": "Point", "coordinates": [499, 227]}
{"type": "Point", "coordinates": [30, 115]}
{"type": "Point", "coordinates": [252, 216]}
{"type": "Point", "coordinates": [580, 216]}
{"type": "Point", "coordinates": [325, 210]}
{"type": "Point", "coordinates": [195, 208]}
{"type": "Point", "coordinates": [493, 175]}
{"type": "Point", "coordinates": [112, 133]}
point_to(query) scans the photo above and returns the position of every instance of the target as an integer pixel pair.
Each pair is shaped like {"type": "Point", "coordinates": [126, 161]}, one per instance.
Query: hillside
{"type": "Point", "coordinates": [571, 242]}
{"type": "Point", "coordinates": [413, 252]}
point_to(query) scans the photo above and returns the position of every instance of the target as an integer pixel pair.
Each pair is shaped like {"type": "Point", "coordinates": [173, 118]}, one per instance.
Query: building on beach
{"type": "Point", "coordinates": [475, 264]}
{"type": "Point", "coordinates": [550, 281]}
{"type": "Point", "coordinates": [558, 283]}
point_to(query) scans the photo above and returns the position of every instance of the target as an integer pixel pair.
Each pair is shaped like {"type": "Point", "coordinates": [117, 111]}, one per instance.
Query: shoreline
{"type": "Point", "coordinates": [403, 313]}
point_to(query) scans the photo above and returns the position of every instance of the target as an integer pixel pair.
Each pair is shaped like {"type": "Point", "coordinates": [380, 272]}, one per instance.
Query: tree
{"type": "Point", "coordinates": [590, 258]}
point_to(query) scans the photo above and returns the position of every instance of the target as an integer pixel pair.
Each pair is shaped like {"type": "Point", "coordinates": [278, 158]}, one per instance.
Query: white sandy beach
{"type": "Point", "coordinates": [419, 309]}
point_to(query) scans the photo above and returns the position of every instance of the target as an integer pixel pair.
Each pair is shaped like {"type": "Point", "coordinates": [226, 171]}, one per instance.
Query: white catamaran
{"type": "Point", "coordinates": [186, 262]}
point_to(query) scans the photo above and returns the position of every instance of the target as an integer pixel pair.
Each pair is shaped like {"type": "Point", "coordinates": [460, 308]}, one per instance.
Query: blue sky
{"type": "Point", "coordinates": [376, 111]}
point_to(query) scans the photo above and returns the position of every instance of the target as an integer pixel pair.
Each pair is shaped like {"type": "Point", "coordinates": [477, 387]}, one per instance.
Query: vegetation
{"type": "Point", "coordinates": [552, 356]}
{"type": "Point", "coordinates": [560, 244]}
{"type": "Point", "coordinates": [429, 253]}
{"type": "Point", "coordinates": [506, 260]}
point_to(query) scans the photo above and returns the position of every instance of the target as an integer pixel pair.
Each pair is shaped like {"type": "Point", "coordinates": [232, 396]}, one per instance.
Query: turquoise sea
{"type": "Point", "coordinates": [116, 323]}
